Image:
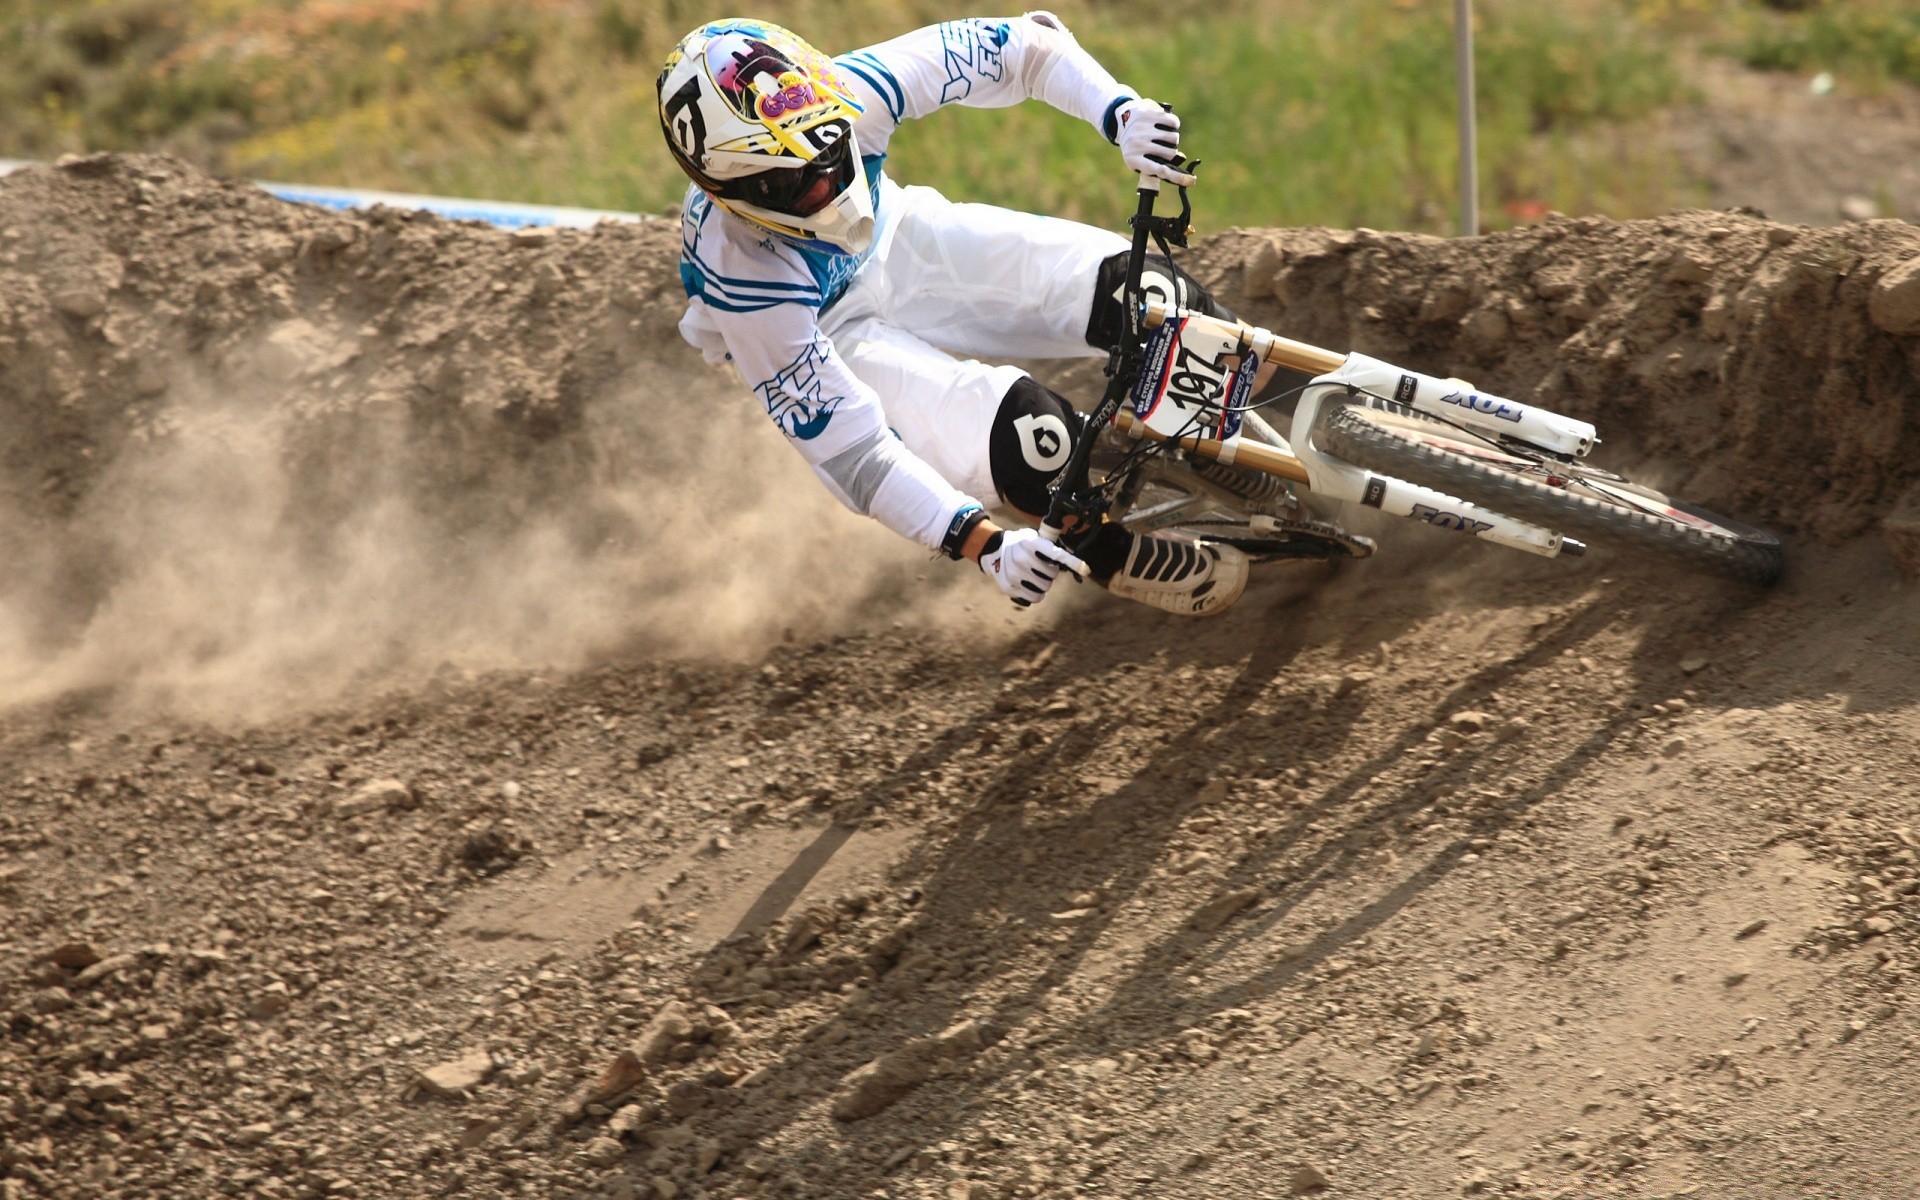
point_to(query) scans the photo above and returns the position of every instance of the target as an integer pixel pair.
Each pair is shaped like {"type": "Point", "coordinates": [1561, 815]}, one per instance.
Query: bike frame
{"type": "Point", "coordinates": [1338, 378]}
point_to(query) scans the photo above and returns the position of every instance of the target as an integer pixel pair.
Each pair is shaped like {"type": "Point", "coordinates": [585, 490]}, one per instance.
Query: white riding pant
{"type": "Point", "coordinates": [951, 280]}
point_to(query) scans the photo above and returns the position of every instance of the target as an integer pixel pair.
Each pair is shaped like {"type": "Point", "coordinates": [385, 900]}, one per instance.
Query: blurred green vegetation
{"type": "Point", "coordinates": [1306, 112]}
{"type": "Point", "coordinates": [1870, 41]}
{"type": "Point", "coordinates": [1343, 115]}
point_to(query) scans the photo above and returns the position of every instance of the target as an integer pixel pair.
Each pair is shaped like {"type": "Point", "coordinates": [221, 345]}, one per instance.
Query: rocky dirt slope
{"type": "Point", "coordinates": [311, 414]}
{"type": "Point", "coordinates": [1449, 874]}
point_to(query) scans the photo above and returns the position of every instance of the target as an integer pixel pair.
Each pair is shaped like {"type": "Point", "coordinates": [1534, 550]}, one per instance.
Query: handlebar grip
{"type": "Point", "coordinates": [1053, 534]}
{"type": "Point", "coordinates": [1151, 183]}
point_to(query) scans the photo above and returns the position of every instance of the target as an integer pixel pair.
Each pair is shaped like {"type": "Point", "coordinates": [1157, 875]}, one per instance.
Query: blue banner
{"type": "Point", "coordinates": [502, 213]}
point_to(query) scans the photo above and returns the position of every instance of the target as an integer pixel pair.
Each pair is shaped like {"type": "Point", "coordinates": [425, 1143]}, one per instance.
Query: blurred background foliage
{"type": "Point", "coordinates": [1870, 41]}
{"type": "Point", "coordinates": [1307, 112]}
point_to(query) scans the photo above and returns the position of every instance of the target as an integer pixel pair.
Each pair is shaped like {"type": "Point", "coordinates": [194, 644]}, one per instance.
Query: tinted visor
{"type": "Point", "coordinates": [797, 191]}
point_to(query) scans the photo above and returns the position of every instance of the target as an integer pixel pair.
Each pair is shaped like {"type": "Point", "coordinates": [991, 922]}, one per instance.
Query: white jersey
{"type": "Point", "coordinates": [757, 298]}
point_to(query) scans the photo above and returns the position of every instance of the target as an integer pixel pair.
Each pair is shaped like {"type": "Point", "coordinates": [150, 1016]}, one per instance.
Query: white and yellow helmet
{"type": "Point", "coordinates": [763, 123]}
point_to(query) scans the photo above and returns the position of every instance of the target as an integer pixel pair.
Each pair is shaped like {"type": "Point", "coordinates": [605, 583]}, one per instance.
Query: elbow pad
{"type": "Point", "coordinates": [1056, 71]}
{"type": "Point", "coordinates": [855, 474]}
{"type": "Point", "coordinates": [879, 477]}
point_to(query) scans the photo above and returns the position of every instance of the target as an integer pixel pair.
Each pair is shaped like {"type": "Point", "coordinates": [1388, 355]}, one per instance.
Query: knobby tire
{"type": "Point", "coordinates": [1729, 548]}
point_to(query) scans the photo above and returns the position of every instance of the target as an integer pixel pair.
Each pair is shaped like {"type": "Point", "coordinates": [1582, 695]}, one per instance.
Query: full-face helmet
{"type": "Point", "coordinates": [763, 123]}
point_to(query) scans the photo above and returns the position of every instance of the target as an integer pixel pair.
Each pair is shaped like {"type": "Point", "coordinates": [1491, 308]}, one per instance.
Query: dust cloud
{"type": "Point", "coordinates": [292, 455]}
{"type": "Point", "coordinates": [218, 568]}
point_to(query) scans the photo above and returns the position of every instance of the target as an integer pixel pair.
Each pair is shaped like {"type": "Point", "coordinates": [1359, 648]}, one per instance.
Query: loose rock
{"type": "Point", "coordinates": [112, 965]}
{"type": "Point", "coordinates": [669, 1027]}
{"type": "Point", "coordinates": [1895, 303]}
{"type": "Point", "coordinates": [1470, 720]}
{"type": "Point", "coordinates": [603, 1152]}
{"type": "Point", "coordinates": [74, 956]}
{"type": "Point", "coordinates": [1222, 909]}
{"type": "Point", "coordinates": [52, 1000]}
{"type": "Point", "coordinates": [115, 1086]}
{"type": "Point", "coordinates": [376, 796]}
{"type": "Point", "coordinates": [1858, 208]}
{"type": "Point", "coordinates": [881, 1083]}
{"type": "Point", "coordinates": [273, 999]}
{"type": "Point", "coordinates": [456, 1078]}
{"type": "Point", "coordinates": [706, 1155]}
{"type": "Point", "coordinates": [1308, 1178]}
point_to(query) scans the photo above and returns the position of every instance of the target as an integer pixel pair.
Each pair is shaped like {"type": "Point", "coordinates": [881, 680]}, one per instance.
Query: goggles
{"type": "Point", "coordinates": [796, 191]}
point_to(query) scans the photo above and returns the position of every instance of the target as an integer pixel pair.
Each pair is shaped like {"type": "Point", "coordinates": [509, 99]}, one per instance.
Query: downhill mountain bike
{"type": "Point", "coordinates": [1183, 448]}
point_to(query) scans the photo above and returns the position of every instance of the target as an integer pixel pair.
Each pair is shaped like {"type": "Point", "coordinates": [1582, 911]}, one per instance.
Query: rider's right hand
{"type": "Point", "coordinates": [1024, 565]}
{"type": "Point", "coordinates": [1149, 141]}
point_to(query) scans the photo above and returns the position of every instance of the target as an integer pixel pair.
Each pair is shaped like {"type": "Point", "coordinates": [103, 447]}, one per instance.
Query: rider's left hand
{"type": "Point", "coordinates": [1149, 140]}
{"type": "Point", "coordinates": [1024, 565]}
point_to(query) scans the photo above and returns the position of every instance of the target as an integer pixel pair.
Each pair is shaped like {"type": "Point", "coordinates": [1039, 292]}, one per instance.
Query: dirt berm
{"type": "Point", "coordinates": [450, 747]}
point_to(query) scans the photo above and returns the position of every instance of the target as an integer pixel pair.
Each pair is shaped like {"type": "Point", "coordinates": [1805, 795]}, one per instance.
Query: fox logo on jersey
{"type": "Point", "coordinates": [793, 396]}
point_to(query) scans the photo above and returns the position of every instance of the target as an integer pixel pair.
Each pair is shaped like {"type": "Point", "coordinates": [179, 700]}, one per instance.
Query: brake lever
{"type": "Point", "coordinates": [1174, 229]}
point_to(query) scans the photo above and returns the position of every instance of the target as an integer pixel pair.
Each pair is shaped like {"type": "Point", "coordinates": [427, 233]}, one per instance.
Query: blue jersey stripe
{"type": "Point", "coordinates": [745, 287]}
{"type": "Point", "coordinates": [880, 79]}
{"type": "Point", "coordinates": [701, 280]}
{"type": "Point", "coordinates": [697, 281]}
{"type": "Point", "coordinates": [726, 288]}
{"type": "Point", "coordinates": [690, 280]}
{"type": "Point", "coordinates": [892, 81]}
{"type": "Point", "coordinates": [706, 290]}
{"type": "Point", "coordinates": [875, 85]}
{"type": "Point", "coordinates": [736, 284]}
{"type": "Point", "coordinates": [726, 306]}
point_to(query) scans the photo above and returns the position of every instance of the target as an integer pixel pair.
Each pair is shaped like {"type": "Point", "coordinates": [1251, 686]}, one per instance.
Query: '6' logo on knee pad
{"type": "Point", "coordinates": [1043, 440]}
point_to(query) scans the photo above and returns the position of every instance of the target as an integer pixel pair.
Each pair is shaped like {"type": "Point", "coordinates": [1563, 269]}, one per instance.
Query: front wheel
{"type": "Point", "coordinates": [1569, 498]}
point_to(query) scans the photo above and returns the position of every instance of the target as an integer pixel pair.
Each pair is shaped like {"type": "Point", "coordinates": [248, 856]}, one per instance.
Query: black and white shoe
{"type": "Point", "coordinates": [1192, 579]}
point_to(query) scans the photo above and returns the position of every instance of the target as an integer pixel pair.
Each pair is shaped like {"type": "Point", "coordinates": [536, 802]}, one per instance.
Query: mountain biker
{"type": "Point", "coordinates": [854, 307]}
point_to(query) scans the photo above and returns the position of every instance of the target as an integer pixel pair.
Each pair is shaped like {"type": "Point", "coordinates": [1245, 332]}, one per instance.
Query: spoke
{"type": "Point", "coordinates": [1546, 471]}
{"type": "Point", "coordinates": [1521, 460]}
{"type": "Point", "coordinates": [1666, 512]}
{"type": "Point", "coordinates": [1625, 501]}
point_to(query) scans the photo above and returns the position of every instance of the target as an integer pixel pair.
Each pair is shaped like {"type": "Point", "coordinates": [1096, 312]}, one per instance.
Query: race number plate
{"type": "Point", "coordinates": [1184, 378]}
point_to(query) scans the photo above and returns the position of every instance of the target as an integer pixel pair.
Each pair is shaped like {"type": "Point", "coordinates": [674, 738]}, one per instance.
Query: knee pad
{"type": "Point", "coordinates": [1161, 280]}
{"type": "Point", "coordinates": [1032, 437]}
